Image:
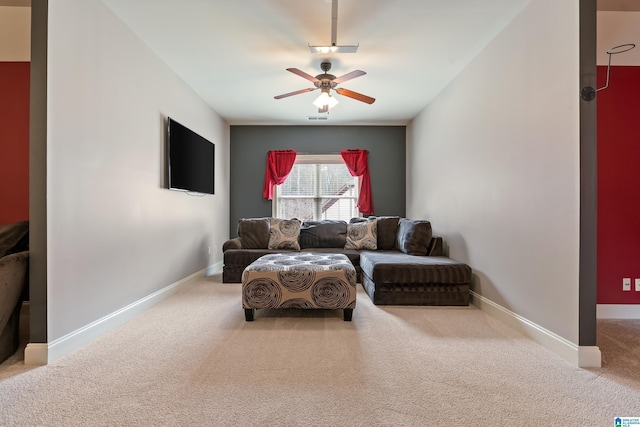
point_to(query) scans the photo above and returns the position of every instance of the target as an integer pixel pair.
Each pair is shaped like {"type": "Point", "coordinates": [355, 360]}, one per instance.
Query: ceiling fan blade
{"type": "Point", "coordinates": [323, 109]}
{"type": "Point", "coordinates": [349, 76]}
{"type": "Point", "coordinates": [355, 95]}
{"type": "Point", "coordinates": [303, 74]}
{"type": "Point", "coordinates": [297, 92]}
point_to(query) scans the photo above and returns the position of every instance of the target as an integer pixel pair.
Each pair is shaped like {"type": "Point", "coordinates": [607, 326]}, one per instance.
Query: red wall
{"type": "Point", "coordinates": [14, 141]}
{"type": "Point", "coordinates": [618, 184]}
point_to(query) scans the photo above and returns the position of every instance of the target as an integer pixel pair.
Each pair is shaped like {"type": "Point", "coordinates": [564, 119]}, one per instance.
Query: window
{"type": "Point", "coordinates": [318, 187]}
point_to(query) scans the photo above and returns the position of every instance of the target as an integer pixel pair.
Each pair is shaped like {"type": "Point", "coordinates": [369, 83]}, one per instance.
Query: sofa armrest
{"type": "Point", "coordinates": [14, 270]}
{"type": "Point", "coordinates": [232, 244]}
{"type": "Point", "coordinates": [436, 247]}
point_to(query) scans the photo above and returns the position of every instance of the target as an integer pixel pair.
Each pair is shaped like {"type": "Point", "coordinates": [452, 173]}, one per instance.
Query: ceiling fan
{"type": "Point", "coordinates": [325, 82]}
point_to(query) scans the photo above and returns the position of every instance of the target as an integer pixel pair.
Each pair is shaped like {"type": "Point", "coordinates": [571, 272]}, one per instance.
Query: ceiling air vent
{"type": "Point", "coordinates": [318, 118]}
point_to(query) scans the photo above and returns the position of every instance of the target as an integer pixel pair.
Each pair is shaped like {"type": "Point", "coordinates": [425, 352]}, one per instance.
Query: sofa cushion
{"type": "Point", "coordinates": [254, 232]}
{"type": "Point", "coordinates": [413, 236]}
{"type": "Point", "coordinates": [244, 257]}
{"type": "Point", "coordinates": [323, 234]}
{"type": "Point", "coordinates": [387, 232]}
{"type": "Point", "coordinates": [358, 219]}
{"type": "Point", "coordinates": [284, 233]}
{"type": "Point", "coordinates": [353, 255]}
{"type": "Point", "coordinates": [396, 267]}
{"type": "Point", "coordinates": [362, 235]}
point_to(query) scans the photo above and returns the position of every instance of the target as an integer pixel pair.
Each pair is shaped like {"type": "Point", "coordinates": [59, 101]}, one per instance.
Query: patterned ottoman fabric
{"type": "Point", "coordinates": [300, 280]}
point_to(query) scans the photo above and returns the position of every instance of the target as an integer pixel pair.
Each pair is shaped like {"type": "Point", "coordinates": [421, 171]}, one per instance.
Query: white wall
{"type": "Point", "coordinates": [15, 38]}
{"type": "Point", "coordinates": [615, 29]}
{"type": "Point", "coordinates": [493, 162]}
{"type": "Point", "coordinates": [115, 234]}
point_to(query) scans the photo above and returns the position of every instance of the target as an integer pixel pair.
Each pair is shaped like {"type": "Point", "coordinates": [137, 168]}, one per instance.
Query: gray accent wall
{"type": "Point", "coordinates": [250, 145]}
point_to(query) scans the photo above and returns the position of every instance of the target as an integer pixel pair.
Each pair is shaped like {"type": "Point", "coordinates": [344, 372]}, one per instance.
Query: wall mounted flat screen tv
{"type": "Point", "coordinates": [191, 160]}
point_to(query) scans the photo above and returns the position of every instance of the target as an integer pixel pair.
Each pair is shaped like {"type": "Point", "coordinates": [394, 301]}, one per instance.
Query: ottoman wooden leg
{"type": "Point", "coordinates": [348, 313]}
{"type": "Point", "coordinates": [248, 314]}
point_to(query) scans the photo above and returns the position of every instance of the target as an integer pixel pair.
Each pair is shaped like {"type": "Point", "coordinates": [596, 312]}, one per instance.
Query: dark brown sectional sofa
{"type": "Point", "coordinates": [398, 260]}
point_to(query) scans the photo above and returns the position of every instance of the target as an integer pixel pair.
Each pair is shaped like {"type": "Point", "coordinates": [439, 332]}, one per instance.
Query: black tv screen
{"type": "Point", "coordinates": [190, 159]}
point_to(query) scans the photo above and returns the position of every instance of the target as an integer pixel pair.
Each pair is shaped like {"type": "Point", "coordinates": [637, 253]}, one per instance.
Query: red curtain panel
{"type": "Point", "coordinates": [358, 164]}
{"type": "Point", "coordinates": [279, 165]}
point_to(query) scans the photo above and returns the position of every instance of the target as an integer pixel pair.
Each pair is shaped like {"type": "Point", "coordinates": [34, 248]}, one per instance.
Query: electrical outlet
{"type": "Point", "coordinates": [637, 285]}
{"type": "Point", "coordinates": [209, 250]}
{"type": "Point", "coordinates": [626, 284]}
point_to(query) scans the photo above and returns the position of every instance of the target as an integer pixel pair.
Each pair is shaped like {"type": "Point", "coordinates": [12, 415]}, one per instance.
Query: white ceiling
{"type": "Point", "coordinates": [234, 52]}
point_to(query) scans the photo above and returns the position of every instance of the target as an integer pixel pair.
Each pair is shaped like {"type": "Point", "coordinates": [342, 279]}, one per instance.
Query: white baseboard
{"type": "Point", "coordinates": [580, 356]}
{"type": "Point", "coordinates": [618, 311]}
{"type": "Point", "coordinates": [44, 353]}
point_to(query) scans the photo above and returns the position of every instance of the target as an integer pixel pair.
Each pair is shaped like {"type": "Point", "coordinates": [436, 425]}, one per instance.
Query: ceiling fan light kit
{"type": "Point", "coordinates": [325, 100]}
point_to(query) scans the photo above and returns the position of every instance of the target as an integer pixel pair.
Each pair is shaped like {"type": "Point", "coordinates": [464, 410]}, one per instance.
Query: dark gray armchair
{"type": "Point", "coordinates": [14, 271]}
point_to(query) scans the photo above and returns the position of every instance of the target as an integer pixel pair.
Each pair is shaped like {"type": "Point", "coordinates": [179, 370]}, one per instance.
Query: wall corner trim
{"type": "Point", "coordinates": [36, 354]}
{"type": "Point", "coordinates": [579, 356]}
{"type": "Point", "coordinates": [45, 353]}
{"type": "Point", "coordinates": [589, 357]}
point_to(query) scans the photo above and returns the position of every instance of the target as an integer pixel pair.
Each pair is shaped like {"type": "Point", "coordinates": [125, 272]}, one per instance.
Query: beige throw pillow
{"type": "Point", "coordinates": [284, 234]}
{"type": "Point", "coordinates": [362, 235]}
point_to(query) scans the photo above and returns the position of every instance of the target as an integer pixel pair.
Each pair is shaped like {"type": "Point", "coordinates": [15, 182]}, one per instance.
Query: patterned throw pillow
{"type": "Point", "coordinates": [284, 234]}
{"type": "Point", "coordinates": [362, 235]}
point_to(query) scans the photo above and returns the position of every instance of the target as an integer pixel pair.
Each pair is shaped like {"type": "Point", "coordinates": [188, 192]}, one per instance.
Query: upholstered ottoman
{"type": "Point", "coordinates": [299, 280]}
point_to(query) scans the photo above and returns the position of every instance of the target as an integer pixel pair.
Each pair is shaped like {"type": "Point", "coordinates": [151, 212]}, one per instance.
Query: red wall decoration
{"type": "Point", "coordinates": [14, 141]}
{"type": "Point", "coordinates": [618, 184]}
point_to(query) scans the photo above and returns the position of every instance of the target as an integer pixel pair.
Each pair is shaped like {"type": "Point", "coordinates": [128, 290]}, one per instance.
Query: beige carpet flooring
{"type": "Point", "coordinates": [192, 360]}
